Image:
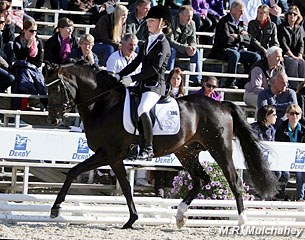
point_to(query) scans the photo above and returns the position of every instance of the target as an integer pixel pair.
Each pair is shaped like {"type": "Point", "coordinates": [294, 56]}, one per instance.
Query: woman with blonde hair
{"type": "Point", "coordinates": [292, 130]}
{"type": "Point", "coordinates": [108, 33]}
{"type": "Point", "coordinates": [290, 35]}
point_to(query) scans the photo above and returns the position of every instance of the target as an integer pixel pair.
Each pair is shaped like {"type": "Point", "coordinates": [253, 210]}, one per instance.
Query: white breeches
{"type": "Point", "coordinates": [148, 101]}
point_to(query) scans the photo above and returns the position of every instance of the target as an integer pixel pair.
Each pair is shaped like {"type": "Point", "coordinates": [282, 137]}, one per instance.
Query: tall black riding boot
{"type": "Point", "coordinates": [146, 152]}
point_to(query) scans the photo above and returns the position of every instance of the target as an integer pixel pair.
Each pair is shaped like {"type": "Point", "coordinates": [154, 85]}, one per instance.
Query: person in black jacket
{"type": "Point", "coordinates": [153, 55]}
{"type": "Point", "coordinates": [231, 39]}
{"type": "Point", "coordinates": [290, 35]}
{"type": "Point", "coordinates": [58, 47]}
{"type": "Point", "coordinates": [292, 130]}
{"type": "Point", "coordinates": [28, 49]}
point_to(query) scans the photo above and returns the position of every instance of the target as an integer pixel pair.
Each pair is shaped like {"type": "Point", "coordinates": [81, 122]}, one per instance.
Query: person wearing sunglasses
{"type": "Point", "coordinates": [292, 130]}
{"type": "Point", "coordinates": [290, 35]}
{"type": "Point", "coordinates": [208, 89]}
{"type": "Point", "coordinates": [6, 78]}
{"type": "Point", "coordinates": [28, 50]}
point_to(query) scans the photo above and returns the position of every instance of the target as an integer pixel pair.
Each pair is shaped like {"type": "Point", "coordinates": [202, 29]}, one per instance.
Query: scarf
{"type": "Point", "coordinates": [65, 48]}
{"type": "Point", "coordinates": [33, 50]}
{"type": "Point", "coordinates": [295, 132]}
{"type": "Point", "coordinates": [263, 25]}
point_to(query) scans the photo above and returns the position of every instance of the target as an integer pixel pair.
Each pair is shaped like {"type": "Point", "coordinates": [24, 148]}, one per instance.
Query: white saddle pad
{"type": "Point", "coordinates": [167, 113]}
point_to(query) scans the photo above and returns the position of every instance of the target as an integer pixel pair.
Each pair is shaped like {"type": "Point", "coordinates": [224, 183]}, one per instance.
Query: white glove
{"type": "Point", "coordinates": [117, 76]}
{"type": "Point", "coordinates": [126, 81]}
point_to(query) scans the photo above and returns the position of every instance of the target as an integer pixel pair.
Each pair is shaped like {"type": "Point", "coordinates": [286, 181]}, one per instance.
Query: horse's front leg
{"type": "Point", "coordinates": [120, 172]}
{"type": "Point", "coordinates": [91, 163]}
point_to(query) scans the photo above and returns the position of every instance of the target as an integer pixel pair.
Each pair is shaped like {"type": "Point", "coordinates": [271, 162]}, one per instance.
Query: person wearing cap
{"type": "Point", "coordinates": [153, 55]}
{"type": "Point", "coordinates": [58, 47]}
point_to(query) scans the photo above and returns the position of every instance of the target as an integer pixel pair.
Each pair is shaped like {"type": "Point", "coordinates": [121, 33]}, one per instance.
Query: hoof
{"type": "Point", "coordinates": [130, 222]}
{"type": "Point", "coordinates": [55, 212]}
{"type": "Point", "coordinates": [180, 221]}
{"type": "Point", "coordinates": [242, 219]}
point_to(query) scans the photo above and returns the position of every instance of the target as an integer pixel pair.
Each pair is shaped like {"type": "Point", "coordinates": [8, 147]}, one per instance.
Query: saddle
{"type": "Point", "coordinates": [135, 98]}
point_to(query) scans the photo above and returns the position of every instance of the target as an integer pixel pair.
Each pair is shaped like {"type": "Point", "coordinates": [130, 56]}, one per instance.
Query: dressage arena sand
{"type": "Point", "coordinates": [55, 231]}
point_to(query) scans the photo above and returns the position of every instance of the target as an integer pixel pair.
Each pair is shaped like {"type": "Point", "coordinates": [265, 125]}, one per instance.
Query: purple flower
{"type": "Point", "coordinates": [190, 187]}
{"type": "Point", "coordinates": [210, 169]}
{"type": "Point", "coordinates": [214, 196]}
{"type": "Point", "coordinates": [208, 187]}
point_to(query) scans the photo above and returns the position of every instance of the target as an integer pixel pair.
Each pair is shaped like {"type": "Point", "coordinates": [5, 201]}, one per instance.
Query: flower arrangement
{"type": "Point", "coordinates": [218, 188]}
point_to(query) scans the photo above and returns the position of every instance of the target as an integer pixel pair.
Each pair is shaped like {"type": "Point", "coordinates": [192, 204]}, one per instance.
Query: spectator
{"type": "Point", "coordinates": [29, 54]}
{"type": "Point", "coordinates": [215, 10]}
{"type": "Point", "coordinates": [84, 52]}
{"type": "Point", "coordinates": [250, 10]}
{"type": "Point", "coordinates": [8, 35]}
{"type": "Point", "coordinates": [301, 100]}
{"type": "Point", "coordinates": [292, 131]}
{"type": "Point", "coordinates": [175, 82]}
{"type": "Point", "coordinates": [290, 35]}
{"type": "Point", "coordinates": [136, 21]}
{"type": "Point", "coordinates": [261, 73]}
{"type": "Point", "coordinates": [121, 58]}
{"type": "Point", "coordinates": [58, 47]}
{"type": "Point", "coordinates": [201, 7]}
{"type": "Point", "coordinates": [97, 8]}
{"type": "Point", "coordinates": [182, 40]}
{"type": "Point", "coordinates": [275, 11]}
{"type": "Point", "coordinates": [277, 95]}
{"type": "Point", "coordinates": [63, 4]}
{"type": "Point", "coordinates": [108, 33]}
{"type": "Point", "coordinates": [208, 89]}
{"type": "Point", "coordinates": [264, 130]}
{"type": "Point", "coordinates": [301, 5]}
{"type": "Point", "coordinates": [263, 127]}
{"type": "Point", "coordinates": [6, 79]}
{"type": "Point", "coordinates": [230, 41]}
{"type": "Point", "coordinates": [263, 32]}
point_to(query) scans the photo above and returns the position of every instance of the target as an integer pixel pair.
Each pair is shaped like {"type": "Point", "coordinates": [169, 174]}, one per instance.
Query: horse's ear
{"type": "Point", "coordinates": [49, 67]}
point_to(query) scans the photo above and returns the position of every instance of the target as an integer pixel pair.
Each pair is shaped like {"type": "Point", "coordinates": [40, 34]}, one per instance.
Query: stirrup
{"type": "Point", "coordinates": [145, 155]}
{"type": "Point", "coordinates": [133, 152]}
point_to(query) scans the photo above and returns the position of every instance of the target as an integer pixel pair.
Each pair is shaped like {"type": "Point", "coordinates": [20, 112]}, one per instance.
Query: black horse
{"type": "Point", "coordinates": [205, 125]}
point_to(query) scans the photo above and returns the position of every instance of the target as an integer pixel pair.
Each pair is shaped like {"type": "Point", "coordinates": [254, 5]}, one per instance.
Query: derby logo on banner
{"type": "Point", "coordinates": [299, 160]}
{"type": "Point", "coordinates": [82, 150]}
{"type": "Point", "coordinates": [20, 147]}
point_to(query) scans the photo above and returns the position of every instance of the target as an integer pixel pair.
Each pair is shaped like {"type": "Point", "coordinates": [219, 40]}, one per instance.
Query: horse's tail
{"type": "Point", "coordinates": [263, 179]}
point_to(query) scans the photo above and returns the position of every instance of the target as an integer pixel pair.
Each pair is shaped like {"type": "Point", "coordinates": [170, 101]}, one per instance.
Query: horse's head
{"type": "Point", "coordinates": [62, 87]}
{"type": "Point", "coordinates": [80, 85]}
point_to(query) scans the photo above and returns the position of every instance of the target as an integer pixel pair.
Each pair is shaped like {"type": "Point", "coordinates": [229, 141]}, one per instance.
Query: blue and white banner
{"type": "Point", "coordinates": [56, 146]}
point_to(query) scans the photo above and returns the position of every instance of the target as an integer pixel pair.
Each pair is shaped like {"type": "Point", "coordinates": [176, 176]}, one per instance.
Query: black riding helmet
{"type": "Point", "coordinates": [160, 12]}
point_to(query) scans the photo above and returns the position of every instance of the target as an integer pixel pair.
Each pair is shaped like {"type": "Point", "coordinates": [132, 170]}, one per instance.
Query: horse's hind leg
{"type": "Point", "coordinates": [91, 163]}
{"type": "Point", "coordinates": [189, 159]}
{"type": "Point", "coordinates": [222, 153]}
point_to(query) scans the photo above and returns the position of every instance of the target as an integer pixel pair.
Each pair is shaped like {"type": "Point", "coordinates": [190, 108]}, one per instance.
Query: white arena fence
{"type": "Point", "coordinates": [152, 211]}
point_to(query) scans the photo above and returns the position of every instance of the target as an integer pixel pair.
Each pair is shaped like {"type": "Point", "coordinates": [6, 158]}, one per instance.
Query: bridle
{"type": "Point", "coordinates": [68, 104]}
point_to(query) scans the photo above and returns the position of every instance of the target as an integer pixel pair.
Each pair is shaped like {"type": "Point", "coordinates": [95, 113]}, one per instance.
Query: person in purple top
{"type": "Point", "coordinates": [208, 89]}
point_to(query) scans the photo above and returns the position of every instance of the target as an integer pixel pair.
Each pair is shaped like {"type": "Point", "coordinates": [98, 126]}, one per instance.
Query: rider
{"type": "Point", "coordinates": [153, 55]}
